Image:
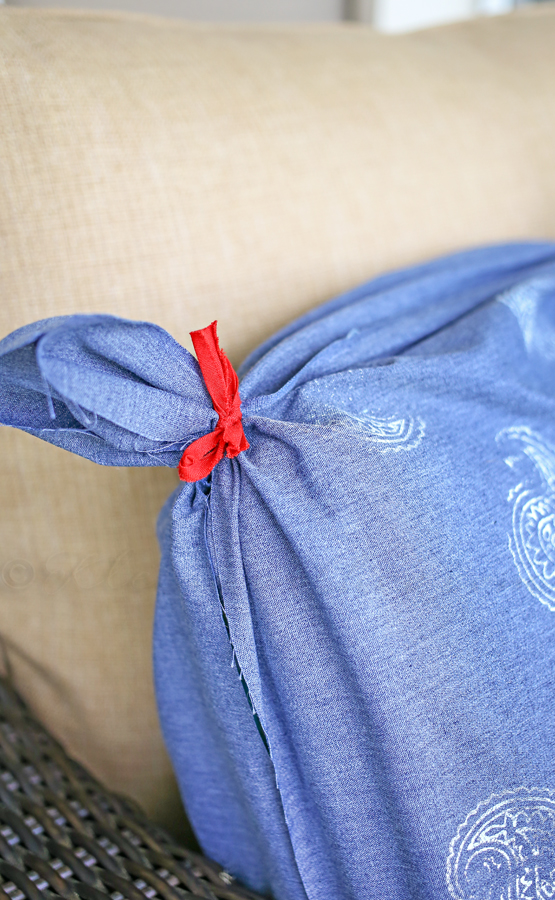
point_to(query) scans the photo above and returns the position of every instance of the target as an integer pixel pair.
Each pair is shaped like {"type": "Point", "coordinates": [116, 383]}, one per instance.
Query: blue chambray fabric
{"type": "Point", "coordinates": [355, 629]}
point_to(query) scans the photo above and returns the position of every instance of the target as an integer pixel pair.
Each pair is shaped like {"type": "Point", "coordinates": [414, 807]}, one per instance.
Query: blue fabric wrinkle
{"type": "Point", "coordinates": [354, 639]}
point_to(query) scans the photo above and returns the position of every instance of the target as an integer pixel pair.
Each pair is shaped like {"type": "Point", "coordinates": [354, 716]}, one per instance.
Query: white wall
{"type": "Point", "coordinates": [406, 15]}
{"type": "Point", "coordinates": [400, 15]}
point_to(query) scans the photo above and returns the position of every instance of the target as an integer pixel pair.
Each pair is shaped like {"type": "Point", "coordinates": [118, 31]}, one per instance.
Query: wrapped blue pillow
{"type": "Point", "coordinates": [355, 628]}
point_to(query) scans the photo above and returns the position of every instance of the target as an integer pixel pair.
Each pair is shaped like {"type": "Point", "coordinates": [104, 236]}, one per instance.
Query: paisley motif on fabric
{"type": "Point", "coordinates": [532, 542]}
{"type": "Point", "coordinates": [528, 303]}
{"type": "Point", "coordinates": [505, 849]}
{"type": "Point", "coordinates": [387, 433]}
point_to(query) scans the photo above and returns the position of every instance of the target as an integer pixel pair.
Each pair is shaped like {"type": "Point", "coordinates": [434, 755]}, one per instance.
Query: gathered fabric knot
{"type": "Point", "coordinates": [228, 437]}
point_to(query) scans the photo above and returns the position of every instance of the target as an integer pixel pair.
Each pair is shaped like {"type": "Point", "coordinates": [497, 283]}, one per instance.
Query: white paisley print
{"type": "Point", "coordinates": [532, 541]}
{"type": "Point", "coordinates": [386, 433]}
{"type": "Point", "coordinates": [505, 849]}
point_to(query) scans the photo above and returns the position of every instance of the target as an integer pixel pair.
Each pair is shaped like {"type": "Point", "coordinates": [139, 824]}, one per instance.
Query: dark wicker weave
{"type": "Point", "coordinates": [63, 835]}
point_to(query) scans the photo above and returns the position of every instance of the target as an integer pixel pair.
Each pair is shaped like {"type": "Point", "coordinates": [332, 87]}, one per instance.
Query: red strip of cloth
{"type": "Point", "coordinates": [228, 437]}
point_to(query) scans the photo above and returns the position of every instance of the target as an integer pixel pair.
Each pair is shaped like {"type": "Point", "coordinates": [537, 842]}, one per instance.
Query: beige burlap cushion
{"type": "Point", "coordinates": [181, 173]}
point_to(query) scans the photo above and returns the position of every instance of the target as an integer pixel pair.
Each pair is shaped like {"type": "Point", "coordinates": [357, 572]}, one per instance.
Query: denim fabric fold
{"type": "Point", "coordinates": [354, 640]}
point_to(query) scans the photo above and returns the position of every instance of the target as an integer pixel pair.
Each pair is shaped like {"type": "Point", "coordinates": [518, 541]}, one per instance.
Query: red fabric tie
{"type": "Point", "coordinates": [220, 378]}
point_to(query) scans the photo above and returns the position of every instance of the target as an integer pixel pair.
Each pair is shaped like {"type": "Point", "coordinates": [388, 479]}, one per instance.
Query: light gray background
{"type": "Point", "coordinates": [386, 15]}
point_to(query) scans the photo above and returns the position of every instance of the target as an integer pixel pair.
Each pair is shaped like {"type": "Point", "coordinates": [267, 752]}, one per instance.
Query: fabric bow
{"type": "Point", "coordinates": [222, 383]}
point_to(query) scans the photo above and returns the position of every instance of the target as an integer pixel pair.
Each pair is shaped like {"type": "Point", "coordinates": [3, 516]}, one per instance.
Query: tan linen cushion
{"type": "Point", "coordinates": [180, 173]}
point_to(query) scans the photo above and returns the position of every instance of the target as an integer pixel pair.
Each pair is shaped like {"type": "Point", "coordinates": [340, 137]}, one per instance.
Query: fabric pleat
{"type": "Point", "coordinates": [354, 640]}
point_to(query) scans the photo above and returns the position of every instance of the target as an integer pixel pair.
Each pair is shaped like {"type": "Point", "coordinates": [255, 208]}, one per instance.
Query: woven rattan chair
{"type": "Point", "coordinates": [63, 835]}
